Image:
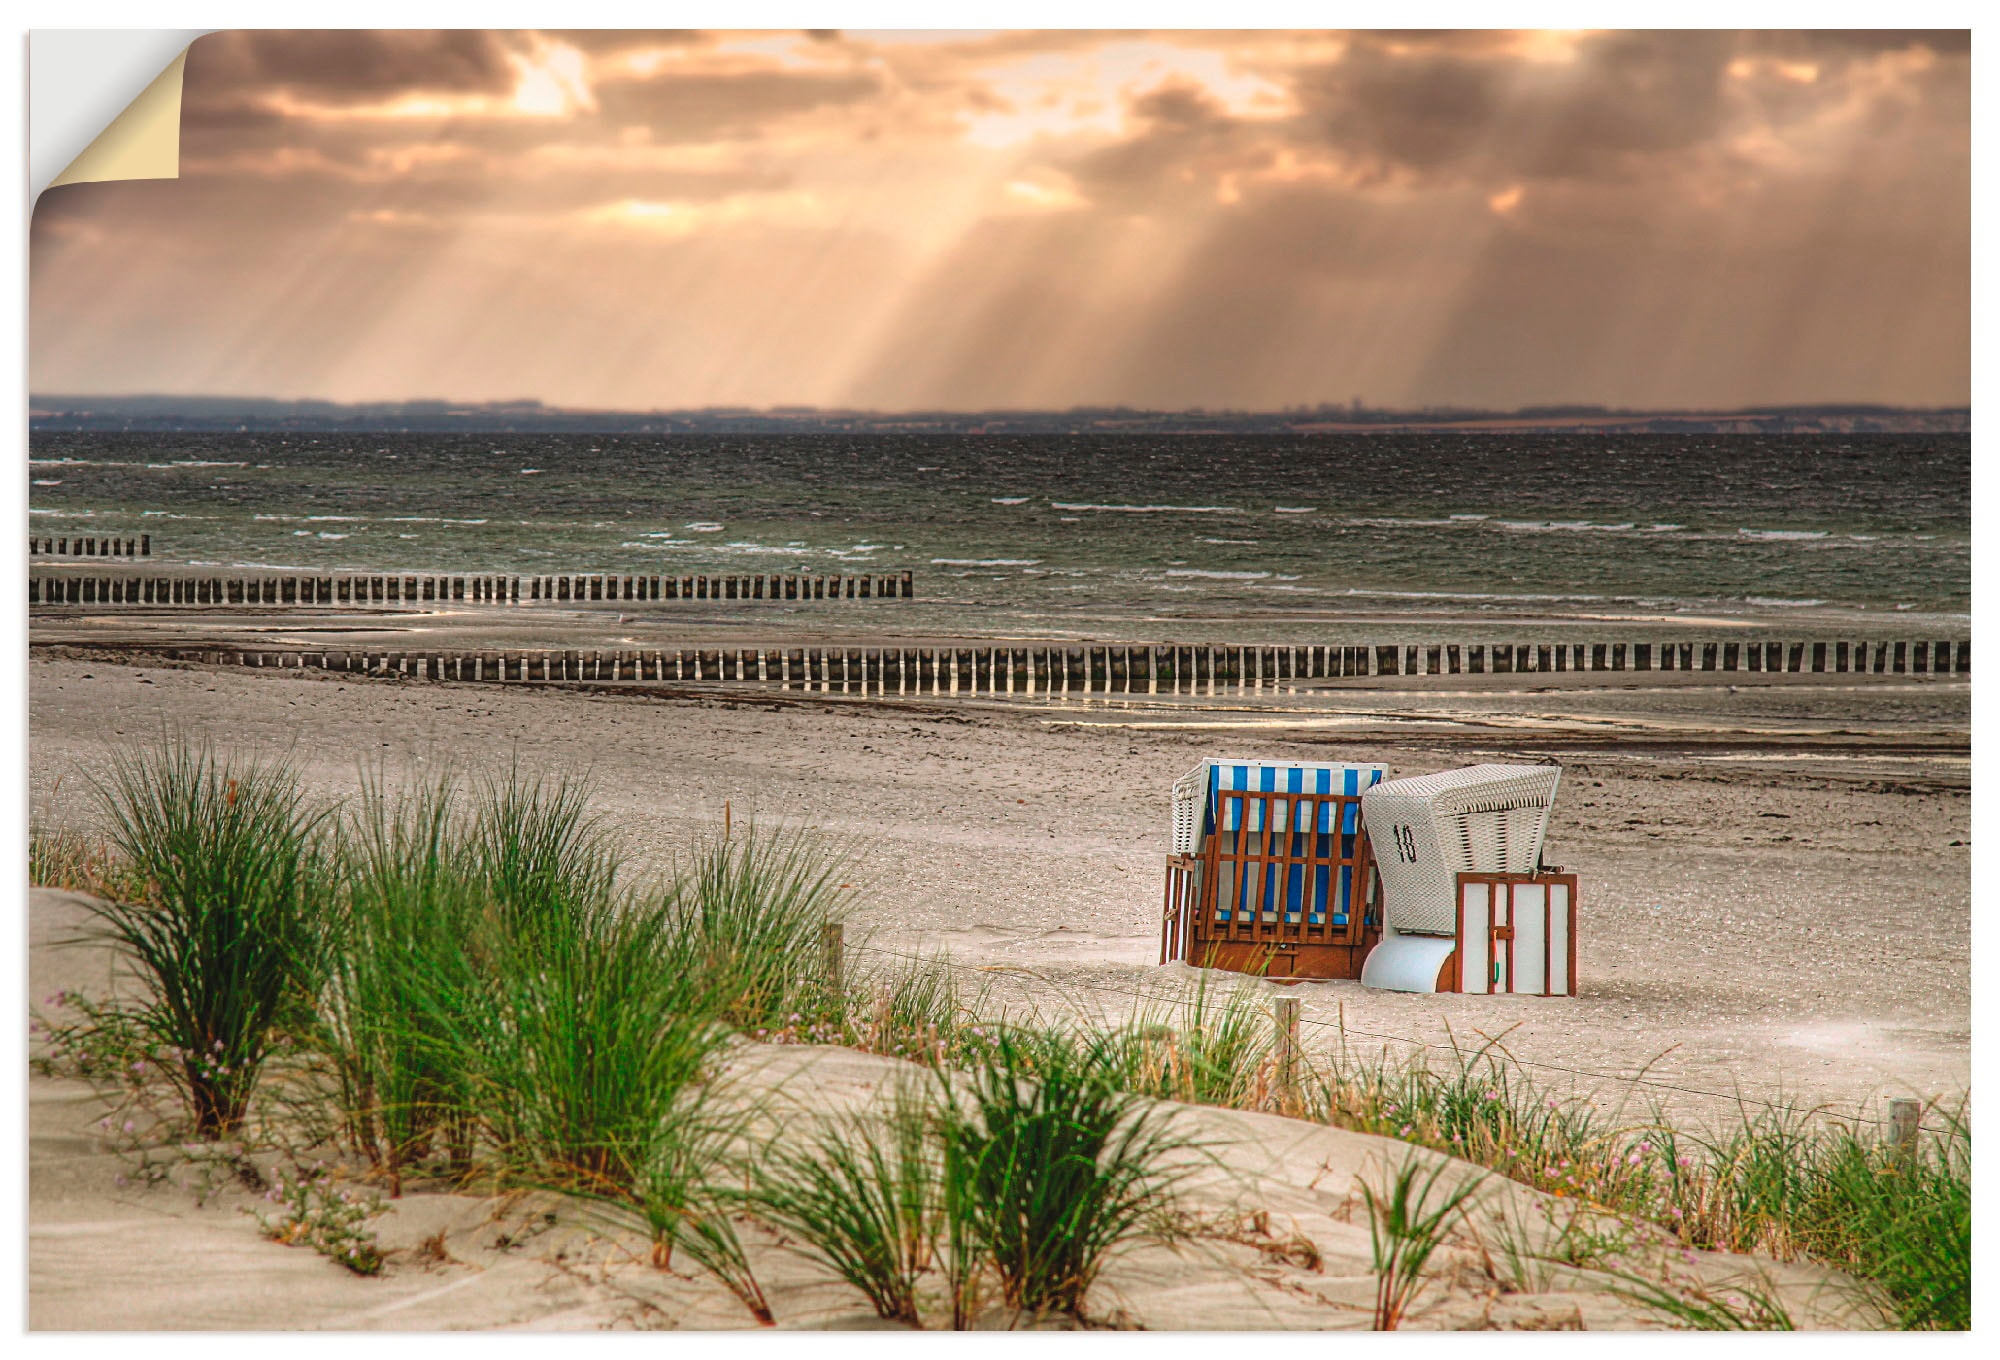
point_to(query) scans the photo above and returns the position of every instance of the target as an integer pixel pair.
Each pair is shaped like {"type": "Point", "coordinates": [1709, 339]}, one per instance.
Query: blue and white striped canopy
{"type": "Point", "coordinates": [1287, 891]}
{"type": "Point", "coordinates": [1271, 776]}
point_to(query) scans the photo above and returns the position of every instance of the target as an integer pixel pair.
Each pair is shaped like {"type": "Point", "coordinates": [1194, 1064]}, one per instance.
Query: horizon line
{"type": "Point", "coordinates": [71, 402]}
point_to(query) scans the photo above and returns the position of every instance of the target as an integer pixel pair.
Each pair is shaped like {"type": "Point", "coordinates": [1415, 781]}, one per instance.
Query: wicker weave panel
{"type": "Point", "coordinates": [1430, 828]}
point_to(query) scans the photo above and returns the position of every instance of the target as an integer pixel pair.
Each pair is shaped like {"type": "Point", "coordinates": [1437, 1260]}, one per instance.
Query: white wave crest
{"type": "Point", "coordinates": [1151, 509]}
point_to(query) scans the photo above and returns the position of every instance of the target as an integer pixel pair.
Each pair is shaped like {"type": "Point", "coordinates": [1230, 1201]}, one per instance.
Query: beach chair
{"type": "Point", "coordinates": [1271, 871]}
{"type": "Point", "coordinates": [1445, 842]}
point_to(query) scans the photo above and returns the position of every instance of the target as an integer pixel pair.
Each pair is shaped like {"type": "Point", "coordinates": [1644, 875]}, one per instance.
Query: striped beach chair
{"type": "Point", "coordinates": [1271, 870]}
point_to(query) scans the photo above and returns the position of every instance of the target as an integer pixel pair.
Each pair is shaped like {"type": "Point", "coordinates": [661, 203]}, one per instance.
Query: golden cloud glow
{"type": "Point", "coordinates": [1087, 93]}
{"type": "Point", "coordinates": [1035, 218]}
{"type": "Point", "coordinates": [1044, 190]}
{"type": "Point", "coordinates": [685, 218]}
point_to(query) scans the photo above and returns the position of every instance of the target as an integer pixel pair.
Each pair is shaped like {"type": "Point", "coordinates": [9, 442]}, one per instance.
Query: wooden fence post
{"type": "Point", "coordinates": [833, 964]}
{"type": "Point", "coordinates": [1288, 1054]}
{"type": "Point", "coordinates": [1905, 1119]}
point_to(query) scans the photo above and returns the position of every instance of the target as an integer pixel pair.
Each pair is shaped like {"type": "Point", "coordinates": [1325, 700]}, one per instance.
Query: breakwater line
{"type": "Point", "coordinates": [1084, 669]}
{"type": "Point", "coordinates": [62, 587]}
{"type": "Point", "coordinates": [45, 545]}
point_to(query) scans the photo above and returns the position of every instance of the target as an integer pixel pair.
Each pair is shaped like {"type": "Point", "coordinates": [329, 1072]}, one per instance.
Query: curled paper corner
{"type": "Point", "coordinates": [143, 142]}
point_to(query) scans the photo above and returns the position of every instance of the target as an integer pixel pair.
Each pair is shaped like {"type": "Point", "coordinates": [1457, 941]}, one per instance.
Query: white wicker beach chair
{"type": "Point", "coordinates": [1427, 830]}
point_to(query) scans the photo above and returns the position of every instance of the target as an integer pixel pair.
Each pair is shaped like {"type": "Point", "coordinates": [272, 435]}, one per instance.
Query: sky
{"type": "Point", "coordinates": [894, 221]}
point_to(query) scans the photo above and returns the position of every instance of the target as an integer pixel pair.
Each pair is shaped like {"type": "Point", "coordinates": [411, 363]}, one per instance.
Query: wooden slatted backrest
{"type": "Point", "coordinates": [1280, 867]}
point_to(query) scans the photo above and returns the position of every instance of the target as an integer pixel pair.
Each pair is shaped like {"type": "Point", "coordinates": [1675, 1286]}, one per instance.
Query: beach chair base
{"type": "Point", "coordinates": [1515, 935]}
{"type": "Point", "coordinates": [1283, 962]}
{"type": "Point", "coordinates": [1412, 963]}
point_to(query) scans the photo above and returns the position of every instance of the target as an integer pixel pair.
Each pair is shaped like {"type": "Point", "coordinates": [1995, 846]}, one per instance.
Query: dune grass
{"type": "Point", "coordinates": [1408, 1219]}
{"type": "Point", "coordinates": [866, 1199]}
{"type": "Point", "coordinates": [1788, 1182]}
{"type": "Point", "coordinates": [494, 984]}
{"type": "Point", "coordinates": [223, 932]}
{"type": "Point", "coordinates": [396, 941]}
{"type": "Point", "coordinates": [77, 861]}
{"type": "Point", "coordinates": [1793, 1183]}
{"type": "Point", "coordinates": [496, 999]}
{"type": "Point", "coordinates": [1050, 1164]}
{"type": "Point", "coordinates": [498, 988]}
{"type": "Point", "coordinates": [1212, 1048]}
{"type": "Point", "coordinates": [920, 1009]}
{"type": "Point", "coordinates": [747, 912]}
{"type": "Point", "coordinates": [1017, 1178]}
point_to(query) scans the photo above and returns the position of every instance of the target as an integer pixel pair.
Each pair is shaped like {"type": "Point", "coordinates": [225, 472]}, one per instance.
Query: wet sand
{"type": "Point", "coordinates": [924, 621]}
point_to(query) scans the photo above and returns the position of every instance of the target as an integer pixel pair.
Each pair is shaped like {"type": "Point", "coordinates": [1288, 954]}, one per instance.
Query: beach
{"type": "Point", "coordinates": [1774, 872]}
{"type": "Point", "coordinates": [1773, 859]}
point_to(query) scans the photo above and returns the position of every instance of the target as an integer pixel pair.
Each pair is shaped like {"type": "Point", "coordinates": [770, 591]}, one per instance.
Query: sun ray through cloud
{"type": "Point", "coordinates": [1044, 218]}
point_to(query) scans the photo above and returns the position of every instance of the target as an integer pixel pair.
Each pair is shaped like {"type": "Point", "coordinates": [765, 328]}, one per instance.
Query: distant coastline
{"type": "Point", "coordinates": [61, 413]}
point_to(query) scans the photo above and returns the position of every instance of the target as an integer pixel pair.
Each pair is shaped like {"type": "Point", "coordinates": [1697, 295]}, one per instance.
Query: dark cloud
{"type": "Point", "coordinates": [346, 64]}
{"type": "Point", "coordinates": [698, 106]}
{"type": "Point", "coordinates": [1864, 42]}
{"type": "Point", "coordinates": [1181, 139]}
{"type": "Point", "coordinates": [1447, 110]}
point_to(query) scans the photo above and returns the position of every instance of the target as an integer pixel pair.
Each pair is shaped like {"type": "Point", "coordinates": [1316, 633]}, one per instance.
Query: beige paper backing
{"type": "Point", "coordinates": [143, 142]}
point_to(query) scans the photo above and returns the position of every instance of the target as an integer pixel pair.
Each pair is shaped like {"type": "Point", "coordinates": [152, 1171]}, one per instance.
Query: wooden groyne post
{"type": "Point", "coordinates": [368, 588]}
{"type": "Point", "coordinates": [45, 545]}
{"type": "Point", "coordinates": [1086, 673]}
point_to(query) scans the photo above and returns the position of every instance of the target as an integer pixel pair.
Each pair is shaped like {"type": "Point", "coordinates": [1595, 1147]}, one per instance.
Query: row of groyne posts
{"type": "Point", "coordinates": [1097, 669]}
{"type": "Point", "coordinates": [358, 588]}
{"type": "Point", "coordinates": [46, 546]}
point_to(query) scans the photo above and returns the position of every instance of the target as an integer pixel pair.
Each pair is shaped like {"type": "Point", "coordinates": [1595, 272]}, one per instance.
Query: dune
{"type": "Point", "coordinates": [128, 1233]}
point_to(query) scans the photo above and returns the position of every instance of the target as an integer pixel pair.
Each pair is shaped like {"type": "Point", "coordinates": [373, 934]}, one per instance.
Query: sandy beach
{"type": "Point", "coordinates": [1775, 873]}
{"type": "Point", "coordinates": [1774, 907]}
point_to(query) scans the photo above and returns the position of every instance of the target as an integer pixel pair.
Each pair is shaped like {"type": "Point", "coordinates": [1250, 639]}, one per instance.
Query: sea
{"type": "Point", "coordinates": [1101, 534]}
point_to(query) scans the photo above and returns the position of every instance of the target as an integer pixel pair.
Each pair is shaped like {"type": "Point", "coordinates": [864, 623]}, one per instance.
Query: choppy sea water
{"type": "Point", "coordinates": [1106, 527]}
